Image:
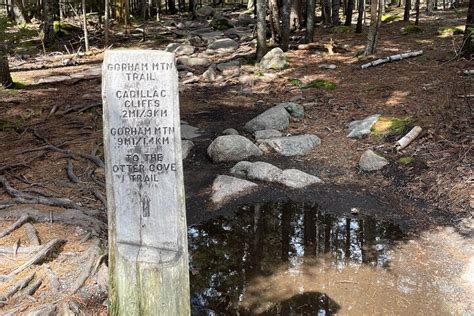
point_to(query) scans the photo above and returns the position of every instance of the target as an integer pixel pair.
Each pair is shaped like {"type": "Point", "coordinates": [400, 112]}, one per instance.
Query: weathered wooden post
{"type": "Point", "coordinates": [148, 256]}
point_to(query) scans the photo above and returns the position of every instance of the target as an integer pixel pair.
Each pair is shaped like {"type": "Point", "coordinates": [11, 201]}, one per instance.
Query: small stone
{"type": "Point", "coordinates": [244, 20]}
{"type": "Point", "coordinates": [247, 80]}
{"type": "Point", "coordinates": [328, 66]}
{"type": "Point", "coordinates": [228, 65]}
{"type": "Point", "coordinates": [297, 179]}
{"type": "Point", "coordinates": [210, 74]}
{"type": "Point", "coordinates": [294, 109]}
{"type": "Point", "coordinates": [205, 12]}
{"type": "Point", "coordinates": [226, 188]}
{"type": "Point", "coordinates": [370, 161]}
{"type": "Point", "coordinates": [361, 128]}
{"type": "Point", "coordinates": [171, 47]}
{"type": "Point", "coordinates": [232, 148]}
{"type": "Point", "coordinates": [274, 59]}
{"type": "Point", "coordinates": [189, 132]}
{"type": "Point", "coordinates": [292, 145]}
{"type": "Point", "coordinates": [259, 170]}
{"type": "Point", "coordinates": [186, 146]}
{"type": "Point", "coordinates": [225, 45]}
{"type": "Point", "coordinates": [274, 118]}
{"type": "Point", "coordinates": [230, 131]}
{"type": "Point", "coordinates": [184, 50]}
{"type": "Point", "coordinates": [267, 133]}
{"type": "Point", "coordinates": [193, 61]}
{"type": "Point", "coordinates": [221, 23]}
{"type": "Point", "coordinates": [297, 98]}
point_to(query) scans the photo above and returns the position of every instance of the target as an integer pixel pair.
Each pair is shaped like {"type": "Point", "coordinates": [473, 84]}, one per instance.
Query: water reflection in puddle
{"type": "Point", "coordinates": [280, 259]}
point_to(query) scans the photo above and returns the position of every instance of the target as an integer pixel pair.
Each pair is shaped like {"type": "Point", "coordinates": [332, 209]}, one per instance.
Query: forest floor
{"type": "Point", "coordinates": [44, 127]}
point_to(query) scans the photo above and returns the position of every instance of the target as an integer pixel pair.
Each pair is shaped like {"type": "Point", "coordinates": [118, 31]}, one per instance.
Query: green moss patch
{"type": "Point", "coordinates": [451, 30]}
{"type": "Point", "coordinates": [340, 29]}
{"type": "Point", "coordinates": [386, 127]}
{"type": "Point", "coordinates": [320, 84]}
{"type": "Point", "coordinates": [390, 17]}
{"type": "Point", "coordinates": [411, 29]}
{"type": "Point", "coordinates": [295, 82]}
{"type": "Point", "coordinates": [406, 160]}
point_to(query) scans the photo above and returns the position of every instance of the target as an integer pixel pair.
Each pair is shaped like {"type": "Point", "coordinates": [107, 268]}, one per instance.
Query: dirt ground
{"type": "Point", "coordinates": [46, 127]}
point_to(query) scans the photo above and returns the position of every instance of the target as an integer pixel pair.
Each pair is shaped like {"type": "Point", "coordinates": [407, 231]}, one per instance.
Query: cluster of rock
{"type": "Point", "coordinates": [226, 188]}
{"type": "Point", "coordinates": [369, 161]}
{"type": "Point", "coordinates": [266, 129]}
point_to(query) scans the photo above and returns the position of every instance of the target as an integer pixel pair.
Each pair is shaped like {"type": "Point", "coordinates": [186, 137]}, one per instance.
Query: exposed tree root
{"type": "Point", "coordinates": [53, 280]}
{"type": "Point", "coordinates": [39, 257]}
{"type": "Point", "coordinates": [22, 220]}
{"type": "Point", "coordinates": [17, 287]}
{"type": "Point", "coordinates": [21, 250]}
{"type": "Point", "coordinates": [32, 234]}
{"type": "Point", "coordinates": [70, 172]}
{"type": "Point", "coordinates": [87, 270]}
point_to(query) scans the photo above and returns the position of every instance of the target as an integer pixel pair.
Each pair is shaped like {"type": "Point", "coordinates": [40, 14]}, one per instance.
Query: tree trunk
{"type": "Point", "coordinates": [468, 47]}
{"type": "Point", "coordinates": [48, 21]}
{"type": "Point", "coordinates": [375, 21]}
{"type": "Point", "coordinates": [360, 15]}
{"type": "Point", "coordinates": [18, 12]}
{"type": "Point", "coordinates": [84, 22]}
{"type": "Point", "coordinates": [350, 8]}
{"type": "Point", "coordinates": [310, 6]}
{"type": "Point", "coordinates": [261, 29]}
{"type": "Point", "coordinates": [285, 25]}
{"type": "Point", "coordinates": [406, 15]}
{"type": "Point", "coordinates": [106, 23]}
{"type": "Point", "coordinates": [172, 6]}
{"type": "Point", "coordinates": [430, 6]}
{"type": "Point", "coordinates": [295, 14]}
{"type": "Point", "coordinates": [275, 19]}
{"type": "Point", "coordinates": [417, 12]}
{"type": "Point", "coordinates": [336, 4]}
{"type": "Point", "coordinates": [326, 11]}
{"type": "Point", "coordinates": [5, 77]}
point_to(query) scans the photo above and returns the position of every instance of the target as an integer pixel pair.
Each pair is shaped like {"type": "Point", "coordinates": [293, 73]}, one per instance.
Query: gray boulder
{"type": "Point", "coordinates": [228, 65]}
{"type": "Point", "coordinates": [190, 132]}
{"type": "Point", "coordinates": [292, 145]}
{"type": "Point", "coordinates": [184, 50]}
{"type": "Point", "coordinates": [297, 179]}
{"type": "Point", "coordinates": [244, 20]}
{"type": "Point", "coordinates": [171, 47]}
{"type": "Point", "coordinates": [186, 146]}
{"type": "Point", "coordinates": [274, 59]}
{"type": "Point", "coordinates": [225, 45]}
{"type": "Point", "coordinates": [267, 133]}
{"type": "Point", "coordinates": [232, 148]}
{"type": "Point", "coordinates": [274, 118]}
{"type": "Point", "coordinates": [220, 22]}
{"type": "Point", "coordinates": [259, 170]}
{"type": "Point", "coordinates": [230, 131]}
{"type": "Point", "coordinates": [205, 12]}
{"type": "Point", "coordinates": [361, 128]}
{"type": "Point", "coordinates": [294, 109]}
{"type": "Point", "coordinates": [193, 61]}
{"type": "Point", "coordinates": [370, 161]}
{"type": "Point", "coordinates": [226, 188]}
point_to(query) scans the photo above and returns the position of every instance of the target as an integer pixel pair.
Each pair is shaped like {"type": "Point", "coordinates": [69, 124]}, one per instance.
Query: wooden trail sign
{"type": "Point", "coordinates": [148, 256]}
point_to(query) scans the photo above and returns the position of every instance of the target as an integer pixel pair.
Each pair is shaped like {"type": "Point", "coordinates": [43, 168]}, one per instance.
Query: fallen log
{"type": "Point", "coordinates": [392, 58]}
{"type": "Point", "coordinates": [408, 138]}
{"type": "Point", "coordinates": [22, 220]}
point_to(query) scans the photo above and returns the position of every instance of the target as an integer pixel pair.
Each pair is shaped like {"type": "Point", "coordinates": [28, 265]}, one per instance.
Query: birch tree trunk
{"type": "Point", "coordinates": [360, 15]}
{"type": "Point", "coordinates": [261, 29]}
{"type": "Point", "coordinates": [310, 6]}
{"type": "Point", "coordinates": [5, 77]}
{"type": "Point", "coordinates": [375, 21]}
{"type": "Point", "coordinates": [84, 22]}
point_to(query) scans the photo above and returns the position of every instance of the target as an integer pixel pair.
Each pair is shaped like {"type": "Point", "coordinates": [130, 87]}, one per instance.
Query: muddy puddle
{"type": "Point", "coordinates": [295, 259]}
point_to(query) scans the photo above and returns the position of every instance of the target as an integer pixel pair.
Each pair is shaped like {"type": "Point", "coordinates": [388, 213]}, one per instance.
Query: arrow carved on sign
{"type": "Point", "coordinates": [146, 205]}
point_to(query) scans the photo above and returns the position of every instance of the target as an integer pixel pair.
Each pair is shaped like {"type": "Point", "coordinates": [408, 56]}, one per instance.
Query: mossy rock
{"type": "Point", "coordinates": [406, 160]}
{"type": "Point", "coordinates": [340, 29]}
{"type": "Point", "coordinates": [411, 29]}
{"type": "Point", "coordinates": [220, 23]}
{"type": "Point", "coordinates": [390, 17]}
{"type": "Point", "coordinates": [387, 127]}
{"type": "Point", "coordinates": [451, 30]}
{"type": "Point", "coordinates": [63, 28]}
{"type": "Point", "coordinates": [320, 84]}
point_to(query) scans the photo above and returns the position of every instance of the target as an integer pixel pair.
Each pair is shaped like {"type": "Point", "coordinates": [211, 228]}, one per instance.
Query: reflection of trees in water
{"type": "Point", "coordinates": [228, 252]}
